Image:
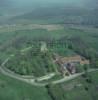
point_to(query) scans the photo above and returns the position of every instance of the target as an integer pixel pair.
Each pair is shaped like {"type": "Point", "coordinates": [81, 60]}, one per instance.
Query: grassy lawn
{"type": "Point", "coordinates": [11, 89]}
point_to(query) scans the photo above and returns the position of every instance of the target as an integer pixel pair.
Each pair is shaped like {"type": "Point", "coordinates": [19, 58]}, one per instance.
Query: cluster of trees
{"type": "Point", "coordinates": [89, 84]}
{"type": "Point", "coordinates": [32, 62]}
{"type": "Point", "coordinates": [82, 48]}
{"type": "Point", "coordinates": [56, 92]}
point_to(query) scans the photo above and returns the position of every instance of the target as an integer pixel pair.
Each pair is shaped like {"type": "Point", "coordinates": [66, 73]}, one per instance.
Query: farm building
{"type": "Point", "coordinates": [68, 64]}
{"type": "Point", "coordinates": [75, 59]}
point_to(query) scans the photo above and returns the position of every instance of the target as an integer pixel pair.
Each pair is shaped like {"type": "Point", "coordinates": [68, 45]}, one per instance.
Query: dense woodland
{"type": "Point", "coordinates": [32, 62]}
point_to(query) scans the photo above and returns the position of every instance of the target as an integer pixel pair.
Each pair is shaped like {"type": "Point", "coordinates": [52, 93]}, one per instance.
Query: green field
{"type": "Point", "coordinates": [63, 29]}
{"type": "Point", "coordinates": [11, 89]}
{"type": "Point", "coordinates": [17, 90]}
{"type": "Point", "coordinates": [14, 41]}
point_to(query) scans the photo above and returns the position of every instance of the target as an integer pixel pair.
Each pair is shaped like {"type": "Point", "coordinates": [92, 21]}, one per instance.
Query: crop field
{"type": "Point", "coordinates": [17, 27]}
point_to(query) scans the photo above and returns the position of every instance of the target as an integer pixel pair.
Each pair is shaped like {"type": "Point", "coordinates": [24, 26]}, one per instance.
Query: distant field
{"type": "Point", "coordinates": [17, 27]}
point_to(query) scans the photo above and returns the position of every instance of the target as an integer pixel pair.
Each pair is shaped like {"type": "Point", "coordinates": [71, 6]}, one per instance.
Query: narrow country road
{"type": "Point", "coordinates": [68, 78]}
{"type": "Point", "coordinates": [18, 77]}
{"type": "Point", "coordinates": [32, 81]}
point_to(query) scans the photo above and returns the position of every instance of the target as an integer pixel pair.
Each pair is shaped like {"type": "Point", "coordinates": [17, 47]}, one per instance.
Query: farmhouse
{"type": "Point", "coordinates": [75, 59]}
{"type": "Point", "coordinates": [68, 64]}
